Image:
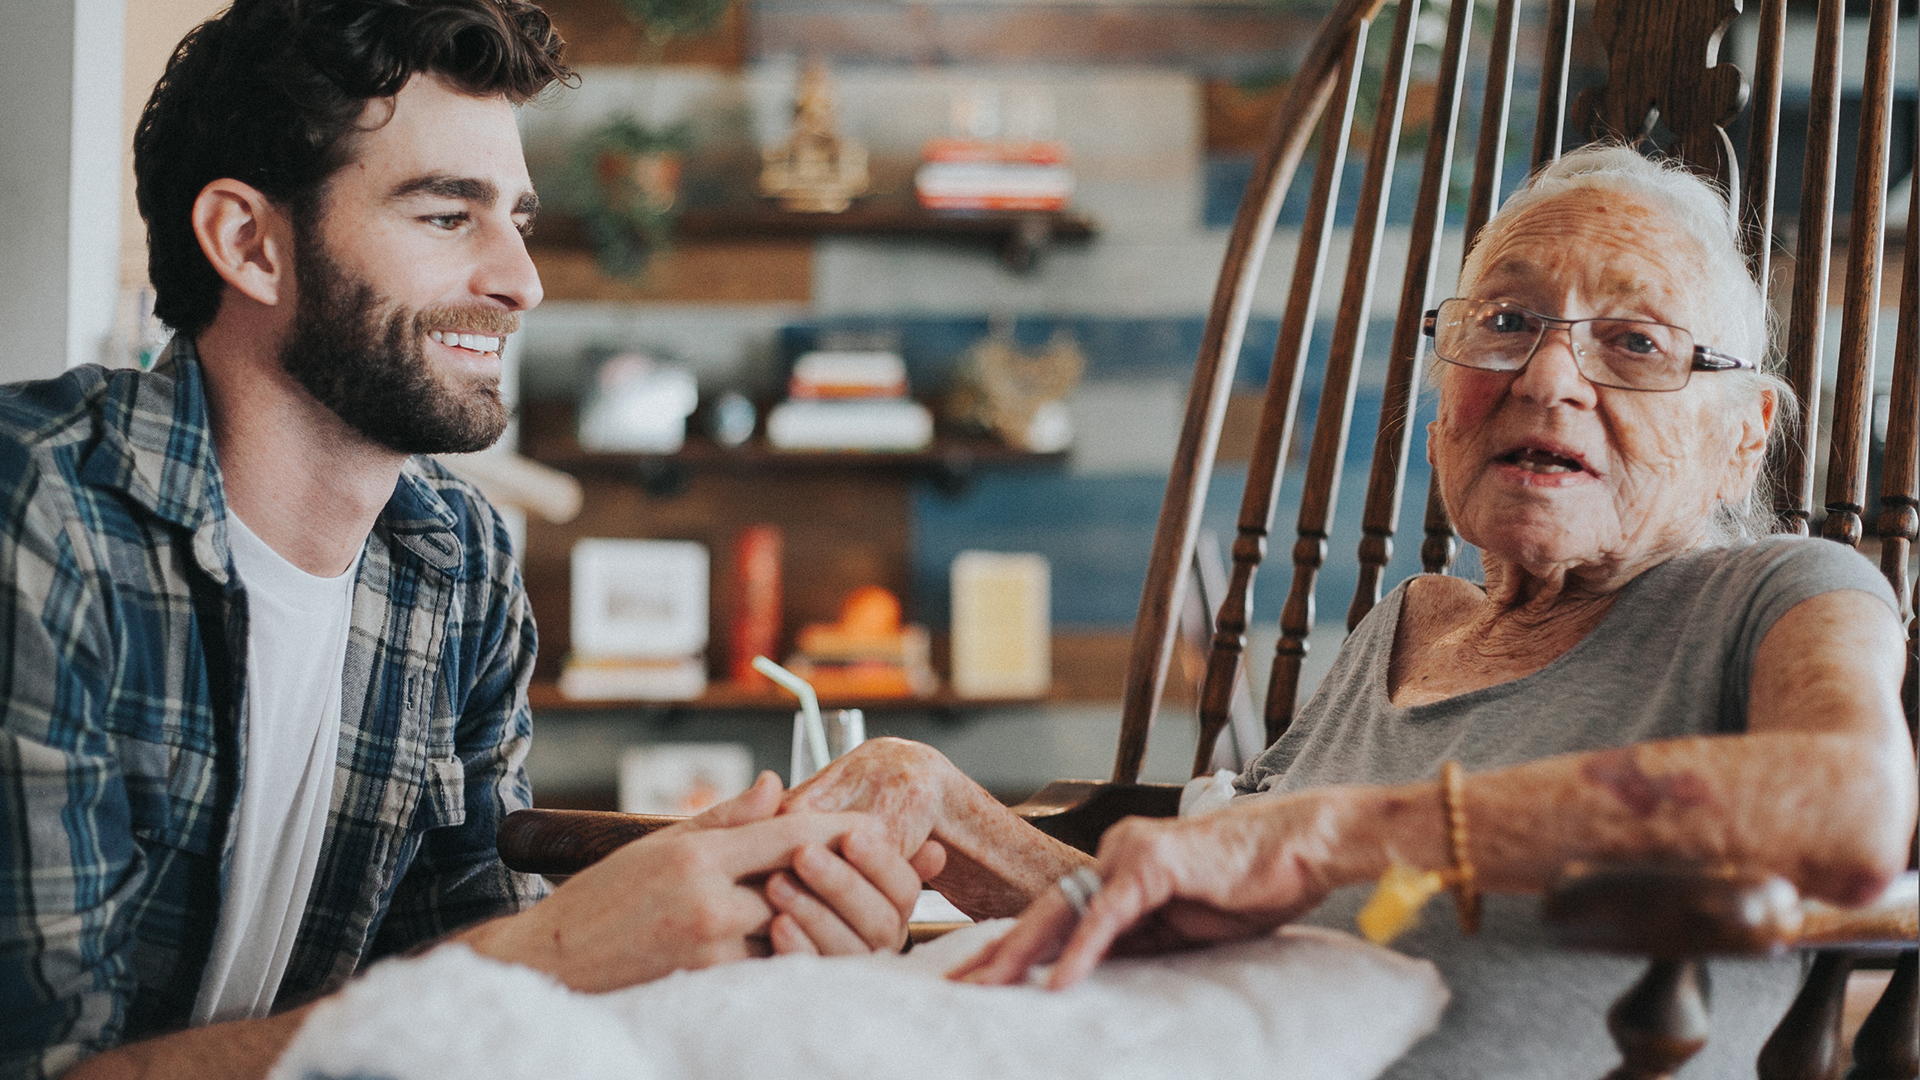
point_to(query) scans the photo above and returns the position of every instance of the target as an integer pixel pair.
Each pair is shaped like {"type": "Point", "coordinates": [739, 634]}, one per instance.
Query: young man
{"type": "Point", "coordinates": [262, 669]}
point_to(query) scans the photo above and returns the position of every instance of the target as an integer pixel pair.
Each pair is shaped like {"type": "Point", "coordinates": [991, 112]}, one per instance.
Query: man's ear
{"type": "Point", "coordinates": [247, 238]}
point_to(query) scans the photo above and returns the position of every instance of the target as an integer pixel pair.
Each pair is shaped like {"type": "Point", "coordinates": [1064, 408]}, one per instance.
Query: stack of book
{"type": "Point", "coordinates": [848, 400]}
{"type": "Point", "coordinates": [867, 654]}
{"type": "Point", "coordinates": [984, 174]}
{"type": "Point", "coordinates": [633, 678]}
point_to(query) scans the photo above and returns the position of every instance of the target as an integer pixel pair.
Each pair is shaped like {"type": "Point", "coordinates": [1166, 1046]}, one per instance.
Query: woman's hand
{"type": "Point", "coordinates": [903, 783]}
{"type": "Point", "coordinates": [1173, 884]}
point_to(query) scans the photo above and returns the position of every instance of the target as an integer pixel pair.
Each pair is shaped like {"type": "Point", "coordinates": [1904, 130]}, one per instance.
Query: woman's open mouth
{"type": "Point", "coordinates": [1544, 465]}
{"type": "Point", "coordinates": [1544, 462]}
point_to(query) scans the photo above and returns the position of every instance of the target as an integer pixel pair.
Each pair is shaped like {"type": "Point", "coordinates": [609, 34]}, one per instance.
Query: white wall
{"type": "Point", "coordinates": [60, 75]}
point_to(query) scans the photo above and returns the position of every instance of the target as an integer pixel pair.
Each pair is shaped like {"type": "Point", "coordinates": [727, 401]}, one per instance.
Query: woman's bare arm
{"type": "Point", "coordinates": [1821, 791]}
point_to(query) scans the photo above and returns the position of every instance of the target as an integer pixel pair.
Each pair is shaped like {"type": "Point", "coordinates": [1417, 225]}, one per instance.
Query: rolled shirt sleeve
{"type": "Point", "coordinates": [68, 862]}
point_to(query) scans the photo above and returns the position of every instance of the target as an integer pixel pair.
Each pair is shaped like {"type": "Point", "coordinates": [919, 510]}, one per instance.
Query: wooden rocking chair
{"type": "Point", "coordinates": [1663, 82]}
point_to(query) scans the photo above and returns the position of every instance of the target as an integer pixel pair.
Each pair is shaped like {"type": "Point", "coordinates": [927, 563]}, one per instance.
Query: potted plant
{"type": "Point", "coordinates": [625, 186]}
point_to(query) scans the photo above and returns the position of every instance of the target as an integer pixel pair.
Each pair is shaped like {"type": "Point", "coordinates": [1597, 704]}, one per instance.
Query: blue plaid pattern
{"type": "Point", "coordinates": [122, 704]}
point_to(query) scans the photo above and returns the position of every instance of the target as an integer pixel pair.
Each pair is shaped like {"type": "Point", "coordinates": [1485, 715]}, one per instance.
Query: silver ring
{"type": "Point", "coordinates": [1079, 888]}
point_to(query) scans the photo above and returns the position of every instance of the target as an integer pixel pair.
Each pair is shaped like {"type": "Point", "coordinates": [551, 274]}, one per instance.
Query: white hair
{"type": "Point", "coordinates": [1741, 317]}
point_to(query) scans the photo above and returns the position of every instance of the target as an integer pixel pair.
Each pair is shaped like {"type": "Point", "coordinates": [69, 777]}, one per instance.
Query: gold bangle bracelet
{"type": "Point", "coordinates": [1466, 892]}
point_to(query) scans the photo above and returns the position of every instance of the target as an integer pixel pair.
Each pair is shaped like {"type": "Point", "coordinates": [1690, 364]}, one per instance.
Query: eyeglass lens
{"type": "Point", "coordinates": [1628, 353]}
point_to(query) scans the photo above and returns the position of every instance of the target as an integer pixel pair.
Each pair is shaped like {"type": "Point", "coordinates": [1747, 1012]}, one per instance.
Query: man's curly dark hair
{"type": "Point", "coordinates": [269, 93]}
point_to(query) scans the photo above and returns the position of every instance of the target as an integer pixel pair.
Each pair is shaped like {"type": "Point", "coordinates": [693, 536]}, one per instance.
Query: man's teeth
{"type": "Point", "coordinates": [475, 342]}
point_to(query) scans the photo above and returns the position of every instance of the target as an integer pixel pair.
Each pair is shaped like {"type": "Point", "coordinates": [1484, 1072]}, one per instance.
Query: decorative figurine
{"type": "Point", "coordinates": [1018, 395]}
{"type": "Point", "coordinates": [817, 171]}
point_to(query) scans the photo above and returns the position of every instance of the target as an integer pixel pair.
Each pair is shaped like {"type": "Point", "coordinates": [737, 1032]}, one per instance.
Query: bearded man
{"type": "Point", "coordinates": [262, 667]}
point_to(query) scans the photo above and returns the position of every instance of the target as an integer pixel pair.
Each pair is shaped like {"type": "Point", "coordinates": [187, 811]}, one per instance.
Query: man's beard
{"type": "Point", "coordinates": [366, 362]}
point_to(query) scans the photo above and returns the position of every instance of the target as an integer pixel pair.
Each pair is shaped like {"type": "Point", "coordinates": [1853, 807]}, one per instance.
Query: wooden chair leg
{"type": "Point", "coordinates": [1661, 1022]}
{"type": "Point", "coordinates": [1806, 1045]}
{"type": "Point", "coordinates": [1888, 1046]}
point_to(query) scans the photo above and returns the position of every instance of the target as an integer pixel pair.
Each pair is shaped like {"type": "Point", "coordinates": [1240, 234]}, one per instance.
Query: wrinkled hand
{"type": "Point", "coordinates": [994, 862]}
{"type": "Point", "coordinates": [1173, 884]}
{"type": "Point", "coordinates": [903, 783]}
{"type": "Point", "coordinates": [691, 896]}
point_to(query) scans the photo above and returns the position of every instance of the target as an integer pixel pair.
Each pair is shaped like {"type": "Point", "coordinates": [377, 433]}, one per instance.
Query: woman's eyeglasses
{"type": "Point", "coordinates": [1630, 354]}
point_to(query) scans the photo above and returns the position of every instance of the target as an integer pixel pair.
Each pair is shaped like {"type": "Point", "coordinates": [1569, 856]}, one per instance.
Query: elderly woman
{"type": "Point", "coordinates": [1638, 677]}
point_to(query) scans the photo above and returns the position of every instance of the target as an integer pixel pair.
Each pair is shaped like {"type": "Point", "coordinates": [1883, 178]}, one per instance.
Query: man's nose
{"type": "Point", "coordinates": [506, 272]}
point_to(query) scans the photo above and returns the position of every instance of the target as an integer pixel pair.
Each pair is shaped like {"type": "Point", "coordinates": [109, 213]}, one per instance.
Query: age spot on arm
{"type": "Point", "coordinates": [1642, 793]}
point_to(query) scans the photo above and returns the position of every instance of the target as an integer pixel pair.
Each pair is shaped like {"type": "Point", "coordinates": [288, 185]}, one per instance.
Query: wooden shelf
{"type": "Point", "coordinates": [545, 696]}
{"type": "Point", "coordinates": [1019, 236]}
{"type": "Point", "coordinates": [1088, 667]}
{"type": "Point", "coordinates": [700, 451]}
{"type": "Point", "coordinates": [548, 436]}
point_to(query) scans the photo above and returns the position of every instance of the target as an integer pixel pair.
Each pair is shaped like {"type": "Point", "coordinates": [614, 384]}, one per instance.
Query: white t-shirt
{"type": "Point", "coordinates": [296, 655]}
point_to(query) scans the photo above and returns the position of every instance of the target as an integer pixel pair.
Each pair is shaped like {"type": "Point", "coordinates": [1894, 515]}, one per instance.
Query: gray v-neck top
{"type": "Point", "coordinates": [1674, 657]}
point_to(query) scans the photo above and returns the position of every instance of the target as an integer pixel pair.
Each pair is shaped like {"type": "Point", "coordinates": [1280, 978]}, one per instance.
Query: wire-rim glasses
{"type": "Point", "coordinates": [1628, 354]}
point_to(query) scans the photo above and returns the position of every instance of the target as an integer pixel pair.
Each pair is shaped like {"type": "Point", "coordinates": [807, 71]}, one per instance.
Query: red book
{"type": "Point", "coordinates": [756, 618]}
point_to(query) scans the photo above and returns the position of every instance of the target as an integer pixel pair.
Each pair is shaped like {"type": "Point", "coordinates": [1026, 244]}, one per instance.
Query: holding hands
{"type": "Point", "coordinates": [734, 882]}
{"type": "Point", "coordinates": [993, 862]}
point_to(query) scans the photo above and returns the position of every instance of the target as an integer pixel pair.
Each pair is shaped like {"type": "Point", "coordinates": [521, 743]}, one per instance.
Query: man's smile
{"type": "Point", "coordinates": [479, 343]}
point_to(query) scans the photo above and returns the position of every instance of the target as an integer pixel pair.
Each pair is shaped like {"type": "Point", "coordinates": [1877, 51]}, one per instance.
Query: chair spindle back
{"type": "Point", "coordinates": [1663, 81]}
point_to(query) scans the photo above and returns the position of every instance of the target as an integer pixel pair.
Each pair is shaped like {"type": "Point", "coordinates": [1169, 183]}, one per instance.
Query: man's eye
{"type": "Point", "coordinates": [448, 222]}
{"type": "Point", "coordinates": [1507, 322]}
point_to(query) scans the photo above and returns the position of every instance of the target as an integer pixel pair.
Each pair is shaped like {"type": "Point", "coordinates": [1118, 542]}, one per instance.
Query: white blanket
{"type": "Point", "coordinates": [1305, 1002]}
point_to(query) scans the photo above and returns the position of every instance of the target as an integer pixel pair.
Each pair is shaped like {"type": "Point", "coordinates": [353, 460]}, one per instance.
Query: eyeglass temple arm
{"type": "Point", "coordinates": [1705, 359]}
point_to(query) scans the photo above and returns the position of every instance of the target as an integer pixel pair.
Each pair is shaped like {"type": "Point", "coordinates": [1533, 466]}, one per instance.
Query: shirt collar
{"type": "Point", "coordinates": [156, 443]}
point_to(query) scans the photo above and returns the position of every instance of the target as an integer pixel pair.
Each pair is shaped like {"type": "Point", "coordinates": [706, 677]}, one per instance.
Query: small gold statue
{"type": "Point", "coordinates": [817, 171]}
{"type": "Point", "coordinates": [1016, 394]}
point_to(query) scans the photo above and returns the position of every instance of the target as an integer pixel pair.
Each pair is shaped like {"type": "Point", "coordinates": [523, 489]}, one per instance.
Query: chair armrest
{"type": "Point", "coordinates": [1076, 812]}
{"type": "Point", "coordinates": [558, 842]}
{"type": "Point", "coordinates": [1684, 912]}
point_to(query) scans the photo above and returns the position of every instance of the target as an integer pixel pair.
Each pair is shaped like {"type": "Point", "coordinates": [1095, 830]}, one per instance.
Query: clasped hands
{"type": "Point", "coordinates": [740, 880]}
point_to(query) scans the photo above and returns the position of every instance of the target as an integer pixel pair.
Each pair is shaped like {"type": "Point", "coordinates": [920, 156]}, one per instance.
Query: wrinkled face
{"type": "Point", "coordinates": [415, 273]}
{"type": "Point", "coordinates": [1545, 469]}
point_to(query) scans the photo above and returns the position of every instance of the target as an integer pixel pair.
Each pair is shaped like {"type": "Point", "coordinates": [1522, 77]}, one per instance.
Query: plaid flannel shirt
{"type": "Point", "coordinates": [123, 696]}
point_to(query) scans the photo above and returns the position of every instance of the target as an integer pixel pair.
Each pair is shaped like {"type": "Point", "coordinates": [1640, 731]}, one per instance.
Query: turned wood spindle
{"type": "Point", "coordinates": [1333, 421]}
{"type": "Point", "coordinates": [1806, 324]}
{"type": "Point", "coordinates": [1806, 1044]}
{"type": "Point", "coordinates": [1387, 478]}
{"type": "Point", "coordinates": [1888, 1046]}
{"type": "Point", "coordinates": [1178, 529]}
{"type": "Point", "coordinates": [1279, 409]}
{"type": "Point", "coordinates": [1662, 1022]}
